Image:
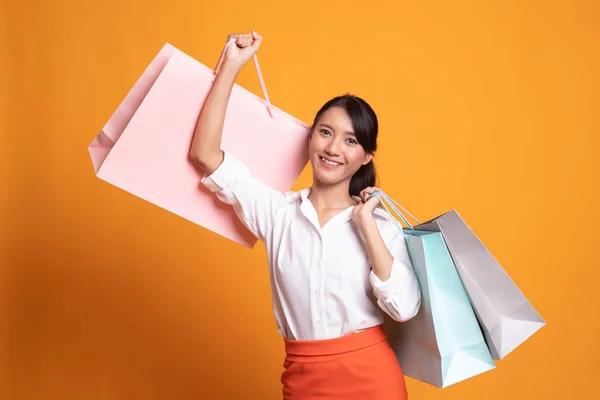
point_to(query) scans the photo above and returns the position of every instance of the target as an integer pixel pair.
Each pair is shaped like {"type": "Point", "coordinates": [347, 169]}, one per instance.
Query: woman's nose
{"type": "Point", "coordinates": [332, 148]}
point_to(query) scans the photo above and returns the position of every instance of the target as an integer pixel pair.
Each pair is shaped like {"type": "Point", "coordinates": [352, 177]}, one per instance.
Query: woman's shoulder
{"type": "Point", "coordinates": [389, 226]}
{"type": "Point", "coordinates": [294, 196]}
{"type": "Point", "coordinates": [382, 215]}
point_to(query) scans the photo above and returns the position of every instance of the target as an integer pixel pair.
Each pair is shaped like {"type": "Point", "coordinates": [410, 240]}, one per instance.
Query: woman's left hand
{"type": "Point", "coordinates": [363, 211]}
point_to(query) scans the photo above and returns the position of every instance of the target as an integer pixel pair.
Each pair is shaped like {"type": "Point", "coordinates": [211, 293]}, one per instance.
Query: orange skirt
{"type": "Point", "coordinates": [358, 366]}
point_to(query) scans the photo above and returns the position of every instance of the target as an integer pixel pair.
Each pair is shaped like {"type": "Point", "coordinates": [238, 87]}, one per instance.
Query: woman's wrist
{"type": "Point", "coordinates": [366, 222]}
{"type": "Point", "coordinates": [231, 67]}
{"type": "Point", "coordinates": [226, 76]}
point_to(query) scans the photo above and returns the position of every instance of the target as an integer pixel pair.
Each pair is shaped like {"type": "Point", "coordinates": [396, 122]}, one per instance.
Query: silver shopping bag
{"type": "Point", "coordinates": [506, 317]}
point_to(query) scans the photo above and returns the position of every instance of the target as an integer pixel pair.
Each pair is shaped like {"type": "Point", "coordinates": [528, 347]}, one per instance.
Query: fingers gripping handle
{"type": "Point", "coordinates": [260, 77]}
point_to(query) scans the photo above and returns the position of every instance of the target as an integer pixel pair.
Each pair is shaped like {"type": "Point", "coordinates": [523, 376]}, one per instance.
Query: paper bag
{"type": "Point", "coordinates": [506, 316]}
{"type": "Point", "coordinates": [443, 344]}
{"type": "Point", "coordinates": [144, 147]}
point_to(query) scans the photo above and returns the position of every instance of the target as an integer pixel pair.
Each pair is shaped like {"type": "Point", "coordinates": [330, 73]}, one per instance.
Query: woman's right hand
{"type": "Point", "coordinates": [245, 46]}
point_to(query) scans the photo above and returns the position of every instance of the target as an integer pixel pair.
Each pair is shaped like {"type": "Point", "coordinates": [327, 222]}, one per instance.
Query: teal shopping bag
{"type": "Point", "coordinates": [443, 344]}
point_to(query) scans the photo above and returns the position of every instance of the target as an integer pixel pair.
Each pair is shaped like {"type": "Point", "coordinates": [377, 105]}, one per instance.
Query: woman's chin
{"type": "Point", "coordinates": [327, 177]}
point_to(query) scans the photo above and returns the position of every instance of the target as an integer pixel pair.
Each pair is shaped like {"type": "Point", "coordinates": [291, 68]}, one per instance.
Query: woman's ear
{"type": "Point", "coordinates": [368, 158]}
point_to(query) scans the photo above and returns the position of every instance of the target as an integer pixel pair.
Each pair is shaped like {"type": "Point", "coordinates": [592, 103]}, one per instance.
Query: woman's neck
{"type": "Point", "coordinates": [325, 197]}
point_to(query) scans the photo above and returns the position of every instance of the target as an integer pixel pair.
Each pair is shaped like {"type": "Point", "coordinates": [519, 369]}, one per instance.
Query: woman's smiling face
{"type": "Point", "coordinates": [335, 154]}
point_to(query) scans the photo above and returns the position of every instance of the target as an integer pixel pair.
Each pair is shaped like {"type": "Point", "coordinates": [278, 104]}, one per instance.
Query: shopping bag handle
{"type": "Point", "coordinates": [262, 81]}
{"type": "Point", "coordinates": [384, 198]}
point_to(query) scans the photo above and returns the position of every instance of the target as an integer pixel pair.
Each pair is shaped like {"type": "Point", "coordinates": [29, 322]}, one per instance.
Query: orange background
{"type": "Point", "coordinates": [487, 108]}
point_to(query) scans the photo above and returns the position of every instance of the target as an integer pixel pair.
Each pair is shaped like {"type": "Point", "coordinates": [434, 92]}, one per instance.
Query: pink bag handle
{"type": "Point", "coordinates": [262, 81]}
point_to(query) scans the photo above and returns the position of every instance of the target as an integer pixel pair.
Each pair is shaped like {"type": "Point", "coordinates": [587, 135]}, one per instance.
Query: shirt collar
{"type": "Point", "coordinates": [379, 212]}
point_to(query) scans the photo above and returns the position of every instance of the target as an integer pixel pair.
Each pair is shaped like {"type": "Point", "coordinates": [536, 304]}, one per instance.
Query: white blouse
{"type": "Point", "coordinates": [321, 280]}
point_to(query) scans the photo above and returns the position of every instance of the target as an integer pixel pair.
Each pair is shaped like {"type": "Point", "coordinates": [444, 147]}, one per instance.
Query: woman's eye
{"type": "Point", "coordinates": [325, 132]}
{"type": "Point", "coordinates": [352, 141]}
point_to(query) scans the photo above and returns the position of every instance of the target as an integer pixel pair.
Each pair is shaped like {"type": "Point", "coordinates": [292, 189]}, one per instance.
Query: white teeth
{"type": "Point", "coordinates": [334, 164]}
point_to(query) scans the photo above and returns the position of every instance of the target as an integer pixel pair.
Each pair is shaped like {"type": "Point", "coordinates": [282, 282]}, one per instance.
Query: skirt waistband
{"type": "Point", "coordinates": [344, 344]}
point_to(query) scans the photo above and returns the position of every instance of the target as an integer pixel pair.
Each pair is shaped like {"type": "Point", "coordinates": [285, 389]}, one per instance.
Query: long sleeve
{"type": "Point", "coordinates": [399, 295]}
{"type": "Point", "coordinates": [254, 202]}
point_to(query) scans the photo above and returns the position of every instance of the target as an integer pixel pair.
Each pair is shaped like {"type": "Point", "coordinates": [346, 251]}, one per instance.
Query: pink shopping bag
{"type": "Point", "coordinates": [144, 147]}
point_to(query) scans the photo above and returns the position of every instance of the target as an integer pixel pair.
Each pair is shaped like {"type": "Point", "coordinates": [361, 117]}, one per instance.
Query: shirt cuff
{"type": "Point", "coordinates": [387, 289]}
{"type": "Point", "coordinates": [225, 174]}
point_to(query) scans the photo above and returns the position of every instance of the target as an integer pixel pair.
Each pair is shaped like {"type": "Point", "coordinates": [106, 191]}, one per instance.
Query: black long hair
{"type": "Point", "coordinates": [365, 125]}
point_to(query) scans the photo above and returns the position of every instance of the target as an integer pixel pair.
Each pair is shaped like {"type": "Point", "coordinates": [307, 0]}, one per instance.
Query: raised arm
{"type": "Point", "coordinates": [206, 153]}
{"type": "Point", "coordinates": [254, 202]}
